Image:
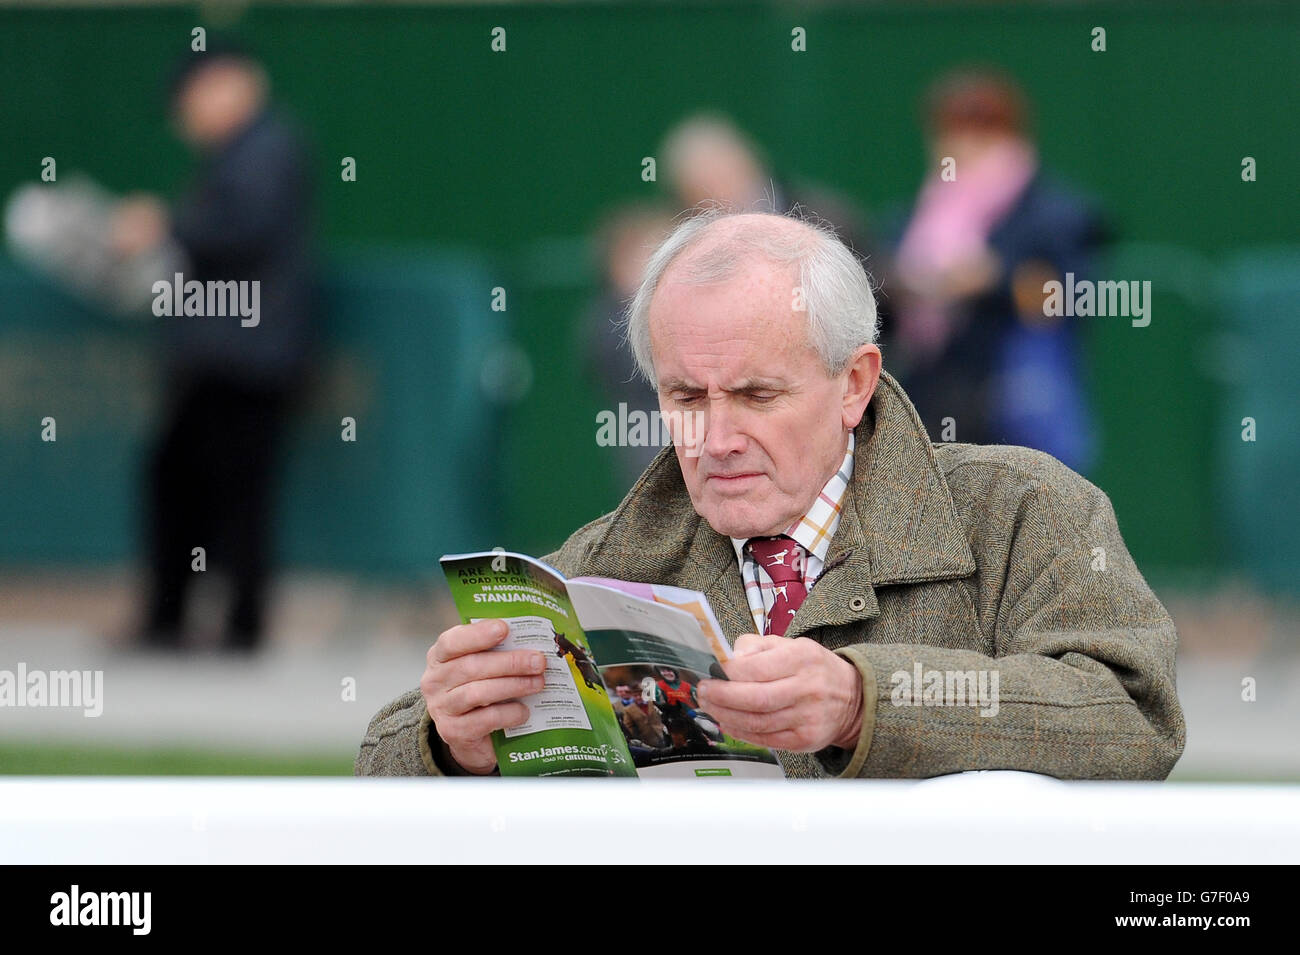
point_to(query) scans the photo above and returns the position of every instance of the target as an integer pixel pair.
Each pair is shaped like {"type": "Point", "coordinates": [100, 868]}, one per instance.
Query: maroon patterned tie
{"type": "Point", "coordinates": [783, 558]}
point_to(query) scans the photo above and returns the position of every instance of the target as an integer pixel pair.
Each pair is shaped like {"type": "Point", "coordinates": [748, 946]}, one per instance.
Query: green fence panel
{"type": "Point", "coordinates": [1258, 474]}
{"type": "Point", "coordinates": [410, 347]}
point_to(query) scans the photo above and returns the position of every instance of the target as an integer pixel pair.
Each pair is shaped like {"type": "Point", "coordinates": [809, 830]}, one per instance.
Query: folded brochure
{"type": "Point", "coordinates": [623, 663]}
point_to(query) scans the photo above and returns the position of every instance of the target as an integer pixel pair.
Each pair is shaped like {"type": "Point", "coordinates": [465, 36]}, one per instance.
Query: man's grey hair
{"type": "Point", "coordinates": [837, 294]}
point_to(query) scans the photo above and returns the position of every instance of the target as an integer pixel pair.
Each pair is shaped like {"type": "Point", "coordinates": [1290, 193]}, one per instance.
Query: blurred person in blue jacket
{"type": "Point", "coordinates": [229, 379]}
{"type": "Point", "coordinates": [971, 339]}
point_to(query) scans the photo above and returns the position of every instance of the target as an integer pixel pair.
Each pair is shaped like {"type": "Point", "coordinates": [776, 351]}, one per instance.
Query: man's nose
{"type": "Point", "coordinates": [723, 435]}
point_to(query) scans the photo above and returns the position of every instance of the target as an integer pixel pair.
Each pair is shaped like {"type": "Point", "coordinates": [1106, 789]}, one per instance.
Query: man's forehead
{"type": "Point", "coordinates": [734, 356]}
{"type": "Point", "coordinates": [759, 297]}
{"type": "Point", "coordinates": [728, 330]}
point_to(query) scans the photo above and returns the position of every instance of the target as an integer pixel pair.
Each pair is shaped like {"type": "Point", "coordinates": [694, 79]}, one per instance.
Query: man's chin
{"type": "Point", "coordinates": [741, 522]}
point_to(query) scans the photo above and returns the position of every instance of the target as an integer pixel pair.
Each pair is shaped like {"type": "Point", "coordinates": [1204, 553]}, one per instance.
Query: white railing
{"type": "Point", "coordinates": [968, 818]}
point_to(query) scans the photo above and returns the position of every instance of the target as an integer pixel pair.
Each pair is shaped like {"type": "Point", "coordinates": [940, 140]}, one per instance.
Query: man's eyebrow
{"type": "Point", "coordinates": [678, 384]}
{"type": "Point", "coordinates": [743, 387]}
{"type": "Point", "coordinates": [759, 384]}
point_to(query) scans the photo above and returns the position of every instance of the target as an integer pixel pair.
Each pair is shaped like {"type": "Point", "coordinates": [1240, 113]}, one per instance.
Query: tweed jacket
{"type": "Point", "coordinates": [949, 559]}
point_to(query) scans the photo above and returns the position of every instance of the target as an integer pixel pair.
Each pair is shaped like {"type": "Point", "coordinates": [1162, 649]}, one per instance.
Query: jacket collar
{"type": "Point", "coordinates": [898, 525]}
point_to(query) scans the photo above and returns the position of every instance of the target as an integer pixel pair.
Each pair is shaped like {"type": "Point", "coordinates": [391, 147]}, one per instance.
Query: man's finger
{"type": "Point", "coordinates": [774, 661]}
{"type": "Point", "coordinates": [748, 697]}
{"type": "Point", "coordinates": [481, 722]}
{"type": "Point", "coordinates": [489, 665]}
{"type": "Point", "coordinates": [748, 643]}
{"type": "Point", "coordinates": [469, 638]}
{"type": "Point", "coordinates": [471, 696]}
{"type": "Point", "coordinates": [743, 724]}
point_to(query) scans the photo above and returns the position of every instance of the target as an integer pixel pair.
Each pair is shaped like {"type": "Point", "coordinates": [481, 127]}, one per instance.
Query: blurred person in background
{"type": "Point", "coordinates": [709, 160]}
{"type": "Point", "coordinates": [229, 382]}
{"type": "Point", "coordinates": [971, 341]}
{"type": "Point", "coordinates": [625, 240]}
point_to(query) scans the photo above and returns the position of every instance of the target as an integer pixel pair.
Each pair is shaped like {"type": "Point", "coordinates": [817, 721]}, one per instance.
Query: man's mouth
{"type": "Point", "coordinates": [734, 482]}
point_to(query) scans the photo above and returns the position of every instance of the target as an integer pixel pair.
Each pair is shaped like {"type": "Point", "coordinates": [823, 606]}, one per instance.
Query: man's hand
{"type": "Point", "coordinates": [471, 689]}
{"type": "Point", "coordinates": [786, 694]}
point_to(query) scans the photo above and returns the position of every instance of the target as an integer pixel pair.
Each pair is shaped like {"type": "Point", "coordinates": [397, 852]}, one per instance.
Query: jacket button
{"type": "Point", "coordinates": [858, 604]}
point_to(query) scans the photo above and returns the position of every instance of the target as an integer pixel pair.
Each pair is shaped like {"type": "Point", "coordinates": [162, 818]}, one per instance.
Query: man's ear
{"type": "Point", "coordinates": [860, 380]}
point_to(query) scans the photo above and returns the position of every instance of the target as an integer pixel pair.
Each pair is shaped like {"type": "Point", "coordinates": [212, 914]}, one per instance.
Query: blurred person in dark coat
{"type": "Point", "coordinates": [971, 340]}
{"type": "Point", "coordinates": [229, 380]}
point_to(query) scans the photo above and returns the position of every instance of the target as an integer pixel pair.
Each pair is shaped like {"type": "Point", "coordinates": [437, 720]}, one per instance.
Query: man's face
{"type": "Point", "coordinates": [217, 101]}
{"type": "Point", "coordinates": [720, 171]}
{"type": "Point", "coordinates": [772, 421]}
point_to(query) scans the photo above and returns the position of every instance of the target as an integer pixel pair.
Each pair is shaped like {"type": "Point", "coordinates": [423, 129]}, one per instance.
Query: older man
{"type": "Point", "coordinates": [871, 580]}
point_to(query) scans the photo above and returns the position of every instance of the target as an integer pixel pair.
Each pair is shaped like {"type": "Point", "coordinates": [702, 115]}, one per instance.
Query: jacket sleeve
{"type": "Point", "coordinates": [1083, 658]}
{"type": "Point", "coordinates": [397, 741]}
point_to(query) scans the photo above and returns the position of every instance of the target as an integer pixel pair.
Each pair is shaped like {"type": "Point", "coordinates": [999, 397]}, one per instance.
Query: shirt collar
{"type": "Point", "coordinates": [814, 530]}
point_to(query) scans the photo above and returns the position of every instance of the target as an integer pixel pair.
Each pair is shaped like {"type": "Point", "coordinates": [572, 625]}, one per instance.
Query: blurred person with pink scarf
{"type": "Point", "coordinates": [989, 228]}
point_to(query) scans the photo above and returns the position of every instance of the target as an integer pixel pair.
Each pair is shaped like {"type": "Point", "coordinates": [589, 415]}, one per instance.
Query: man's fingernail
{"type": "Point", "coordinates": [539, 663]}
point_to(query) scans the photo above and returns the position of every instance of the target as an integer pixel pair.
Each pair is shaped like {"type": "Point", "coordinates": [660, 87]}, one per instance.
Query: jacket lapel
{"type": "Point", "coordinates": [905, 511]}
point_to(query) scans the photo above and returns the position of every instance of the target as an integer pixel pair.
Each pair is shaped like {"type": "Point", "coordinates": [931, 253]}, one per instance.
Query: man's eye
{"type": "Point", "coordinates": [684, 399]}
{"type": "Point", "coordinates": [761, 397]}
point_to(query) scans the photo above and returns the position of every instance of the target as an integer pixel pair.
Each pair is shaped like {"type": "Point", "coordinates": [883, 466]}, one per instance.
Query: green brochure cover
{"type": "Point", "coordinates": [623, 662]}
